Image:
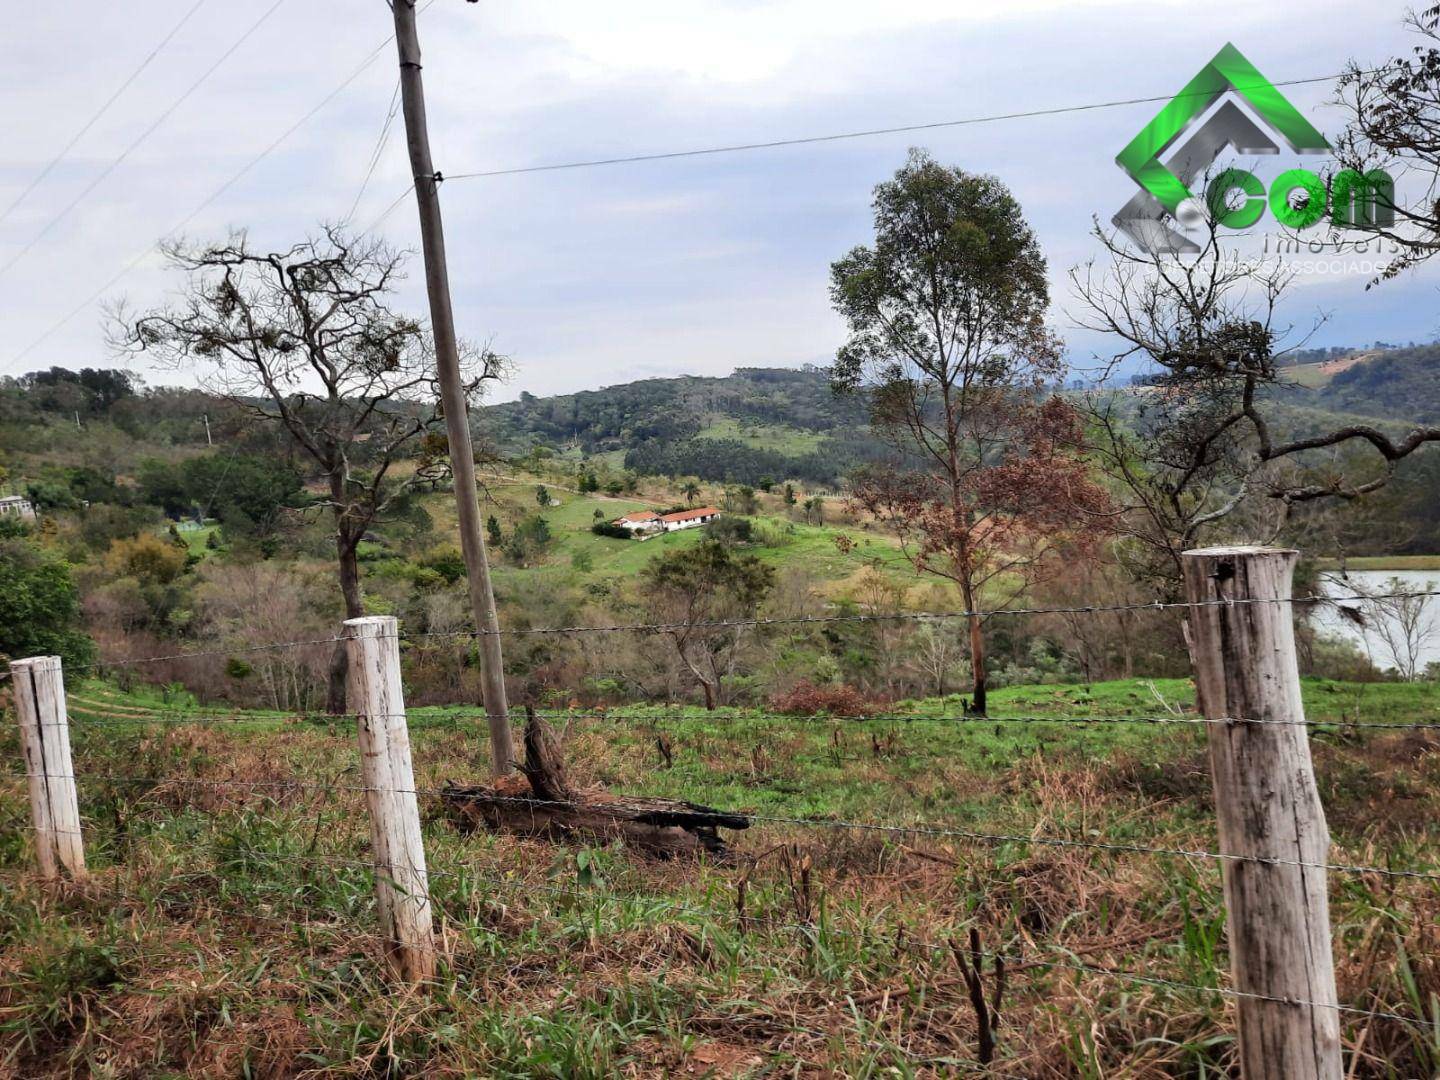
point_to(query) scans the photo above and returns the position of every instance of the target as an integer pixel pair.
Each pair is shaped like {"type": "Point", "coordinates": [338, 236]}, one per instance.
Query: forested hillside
{"type": "Point", "coordinates": [1398, 384]}
{"type": "Point", "coordinates": [755, 425]}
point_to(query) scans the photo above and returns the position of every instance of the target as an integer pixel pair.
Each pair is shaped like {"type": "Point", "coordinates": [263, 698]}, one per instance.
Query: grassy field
{"type": "Point", "coordinates": [1383, 562]}
{"type": "Point", "coordinates": [778, 437]}
{"type": "Point", "coordinates": [785, 542]}
{"type": "Point", "coordinates": [229, 927]}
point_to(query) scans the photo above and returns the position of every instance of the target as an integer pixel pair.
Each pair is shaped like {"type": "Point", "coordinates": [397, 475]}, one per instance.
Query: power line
{"type": "Point", "coordinates": [106, 172]}
{"type": "Point", "coordinates": [378, 152]}
{"type": "Point", "coordinates": [275, 144]}
{"type": "Point", "coordinates": [810, 140]}
{"type": "Point", "coordinates": [104, 108]}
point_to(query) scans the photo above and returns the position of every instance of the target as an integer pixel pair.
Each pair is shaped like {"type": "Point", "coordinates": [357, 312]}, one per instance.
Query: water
{"type": "Point", "coordinates": [1371, 641]}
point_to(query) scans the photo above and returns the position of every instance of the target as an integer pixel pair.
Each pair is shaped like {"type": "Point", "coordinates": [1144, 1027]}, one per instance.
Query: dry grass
{"type": "Point", "coordinates": [226, 932]}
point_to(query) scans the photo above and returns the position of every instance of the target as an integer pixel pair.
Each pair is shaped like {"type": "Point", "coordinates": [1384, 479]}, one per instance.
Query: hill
{"type": "Point", "coordinates": [752, 425]}
{"type": "Point", "coordinates": [1397, 384]}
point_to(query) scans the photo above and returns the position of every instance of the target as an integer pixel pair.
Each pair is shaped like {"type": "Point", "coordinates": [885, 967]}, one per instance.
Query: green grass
{"type": "Point", "coordinates": [229, 931]}
{"type": "Point", "coordinates": [780, 438]}
{"type": "Point", "coordinates": [790, 543]}
{"type": "Point", "coordinates": [1383, 562]}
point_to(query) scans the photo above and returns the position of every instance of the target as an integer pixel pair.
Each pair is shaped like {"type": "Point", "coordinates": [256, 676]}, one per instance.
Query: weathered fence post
{"type": "Point", "coordinates": [1242, 647]}
{"type": "Point", "coordinates": [401, 882]}
{"type": "Point", "coordinates": [39, 688]}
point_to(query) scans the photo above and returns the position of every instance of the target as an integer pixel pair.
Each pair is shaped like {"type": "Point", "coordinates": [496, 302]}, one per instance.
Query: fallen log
{"type": "Point", "coordinates": [543, 803]}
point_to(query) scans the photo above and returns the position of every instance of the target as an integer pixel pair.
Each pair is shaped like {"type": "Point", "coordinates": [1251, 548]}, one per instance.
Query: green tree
{"type": "Point", "coordinates": [39, 606]}
{"type": "Point", "coordinates": [691, 589]}
{"type": "Point", "coordinates": [542, 496]}
{"type": "Point", "coordinates": [691, 491]}
{"type": "Point", "coordinates": [492, 529]}
{"type": "Point", "coordinates": [947, 337]}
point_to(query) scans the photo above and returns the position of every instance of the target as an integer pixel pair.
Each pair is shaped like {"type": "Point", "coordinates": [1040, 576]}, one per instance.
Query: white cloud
{"type": "Point", "coordinates": [691, 265]}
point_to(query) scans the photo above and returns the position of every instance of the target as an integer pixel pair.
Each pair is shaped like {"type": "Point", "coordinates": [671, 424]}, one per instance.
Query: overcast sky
{"type": "Point", "coordinates": [598, 276]}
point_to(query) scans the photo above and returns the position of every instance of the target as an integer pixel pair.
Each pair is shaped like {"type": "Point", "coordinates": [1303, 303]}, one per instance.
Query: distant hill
{"type": "Point", "coordinates": [747, 427]}
{"type": "Point", "coordinates": [1396, 384]}
{"type": "Point", "coordinates": [761, 424]}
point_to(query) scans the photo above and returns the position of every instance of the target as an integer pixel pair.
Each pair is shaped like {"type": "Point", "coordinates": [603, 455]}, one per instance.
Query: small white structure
{"type": "Point", "coordinates": [17, 506]}
{"type": "Point", "coordinates": [639, 521]}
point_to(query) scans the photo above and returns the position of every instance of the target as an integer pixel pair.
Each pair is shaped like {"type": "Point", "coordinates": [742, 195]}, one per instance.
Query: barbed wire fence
{"type": "Point", "coordinates": [1241, 595]}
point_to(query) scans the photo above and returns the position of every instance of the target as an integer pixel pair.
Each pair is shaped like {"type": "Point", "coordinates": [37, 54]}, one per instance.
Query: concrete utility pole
{"type": "Point", "coordinates": [452, 393]}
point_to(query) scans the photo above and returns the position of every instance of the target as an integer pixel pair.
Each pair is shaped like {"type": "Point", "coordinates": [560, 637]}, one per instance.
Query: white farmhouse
{"type": "Point", "coordinates": [688, 519]}
{"type": "Point", "coordinates": [647, 521]}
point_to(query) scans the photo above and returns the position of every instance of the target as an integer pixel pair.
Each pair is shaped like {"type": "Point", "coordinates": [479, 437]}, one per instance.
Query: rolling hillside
{"type": "Point", "coordinates": [754, 424]}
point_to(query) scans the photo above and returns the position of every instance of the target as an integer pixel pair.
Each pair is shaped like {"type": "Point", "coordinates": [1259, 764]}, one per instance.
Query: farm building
{"type": "Point", "coordinates": [688, 519]}
{"type": "Point", "coordinates": [649, 521]}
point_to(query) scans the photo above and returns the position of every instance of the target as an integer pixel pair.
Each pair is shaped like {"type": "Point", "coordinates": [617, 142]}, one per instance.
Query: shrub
{"type": "Point", "coordinates": [807, 699]}
{"type": "Point", "coordinates": [730, 530]}
{"type": "Point", "coordinates": [610, 529]}
{"type": "Point", "coordinates": [447, 561]}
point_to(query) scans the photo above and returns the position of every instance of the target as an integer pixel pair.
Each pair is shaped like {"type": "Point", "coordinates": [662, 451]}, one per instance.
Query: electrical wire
{"type": "Point", "coordinates": [811, 140]}
{"type": "Point", "coordinates": [95, 117]}
{"type": "Point", "coordinates": [135, 144]}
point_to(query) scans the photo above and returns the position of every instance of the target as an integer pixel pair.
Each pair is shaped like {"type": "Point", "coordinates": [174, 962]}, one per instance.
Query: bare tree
{"type": "Point", "coordinates": [304, 339]}
{"type": "Point", "coordinates": [1202, 450]}
{"type": "Point", "coordinates": [1393, 131]}
{"type": "Point", "coordinates": [1403, 619]}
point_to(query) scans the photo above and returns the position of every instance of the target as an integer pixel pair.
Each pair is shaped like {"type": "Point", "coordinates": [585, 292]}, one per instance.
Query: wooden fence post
{"type": "Point", "coordinates": [1242, 647]}
{"type": "Point", "coordinates": [401, 882]}
{"type": "Point", "coordinates": [39, 688]}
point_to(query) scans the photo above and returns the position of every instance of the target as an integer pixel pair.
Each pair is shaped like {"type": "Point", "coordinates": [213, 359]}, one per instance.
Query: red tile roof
{"type": "Point", "coordinates": [690, 515]}
{"type": "Point", "coordinates": [639, 515]}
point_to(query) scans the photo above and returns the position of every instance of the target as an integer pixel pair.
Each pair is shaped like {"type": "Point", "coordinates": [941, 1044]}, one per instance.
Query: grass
{"type": "Point", "coordinates": [1383, 562]}
{"type": "Point", "coordinates": [784, 543]}
{"type": "Point", "coordinates": [229, 929]}
{"type": "Point", "coordinates": [780, 438]}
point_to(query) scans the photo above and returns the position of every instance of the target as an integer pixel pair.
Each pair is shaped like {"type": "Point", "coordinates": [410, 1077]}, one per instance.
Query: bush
{"type": "Point", "coordinates": [446, 560]}
{"type": "Point", "coordinates": [807, 699]}
{"type": "Point", "coordinates": [39, 606]}
{"type": "Point", "coordinates": [730, 530]}
{"type": "Point", "coordinates": [610, 529]}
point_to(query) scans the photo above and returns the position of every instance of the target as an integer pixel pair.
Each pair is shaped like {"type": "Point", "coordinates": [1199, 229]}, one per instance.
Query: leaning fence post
{"type": "Point", "coordinates": [401, 883]}
{"type": "Point", "coordinates": [39, 688]}
{"type": "Point", "coordinates": [1242, 647]}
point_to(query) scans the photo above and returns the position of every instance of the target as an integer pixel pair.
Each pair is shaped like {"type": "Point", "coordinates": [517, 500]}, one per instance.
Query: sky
{"type": "Point", "coordinates": [598, 276]}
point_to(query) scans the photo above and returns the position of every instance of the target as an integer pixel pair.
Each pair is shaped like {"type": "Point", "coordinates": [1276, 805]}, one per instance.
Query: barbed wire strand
{"type": "Point", "coordinates": [779, 620]}
{"type": "Point", "coordinates": [923, 829]}
{"type": "Point", "coordinates": [421, 720]}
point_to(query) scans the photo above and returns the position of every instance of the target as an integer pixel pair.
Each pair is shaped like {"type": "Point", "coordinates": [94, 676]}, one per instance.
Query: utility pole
{"type": "Point", "coordinates": [452, 393]}
{"type": "Point", "coordinates": [208, 441]}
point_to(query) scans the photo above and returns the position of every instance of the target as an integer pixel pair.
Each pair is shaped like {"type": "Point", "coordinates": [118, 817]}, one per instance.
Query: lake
{"type": "Point", "coordinates": [1333, 624]}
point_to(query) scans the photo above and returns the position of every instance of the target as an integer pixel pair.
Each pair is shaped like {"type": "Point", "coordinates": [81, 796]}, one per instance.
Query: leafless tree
{"type": "Point", "coordinates": [1392, 134]}
{"type": "Point", "coordinates": [1403, 619]}
{"type": "Point", "coordinates": [304, 339]}
{"type": "Point", "coordinates": [1202, 451]}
